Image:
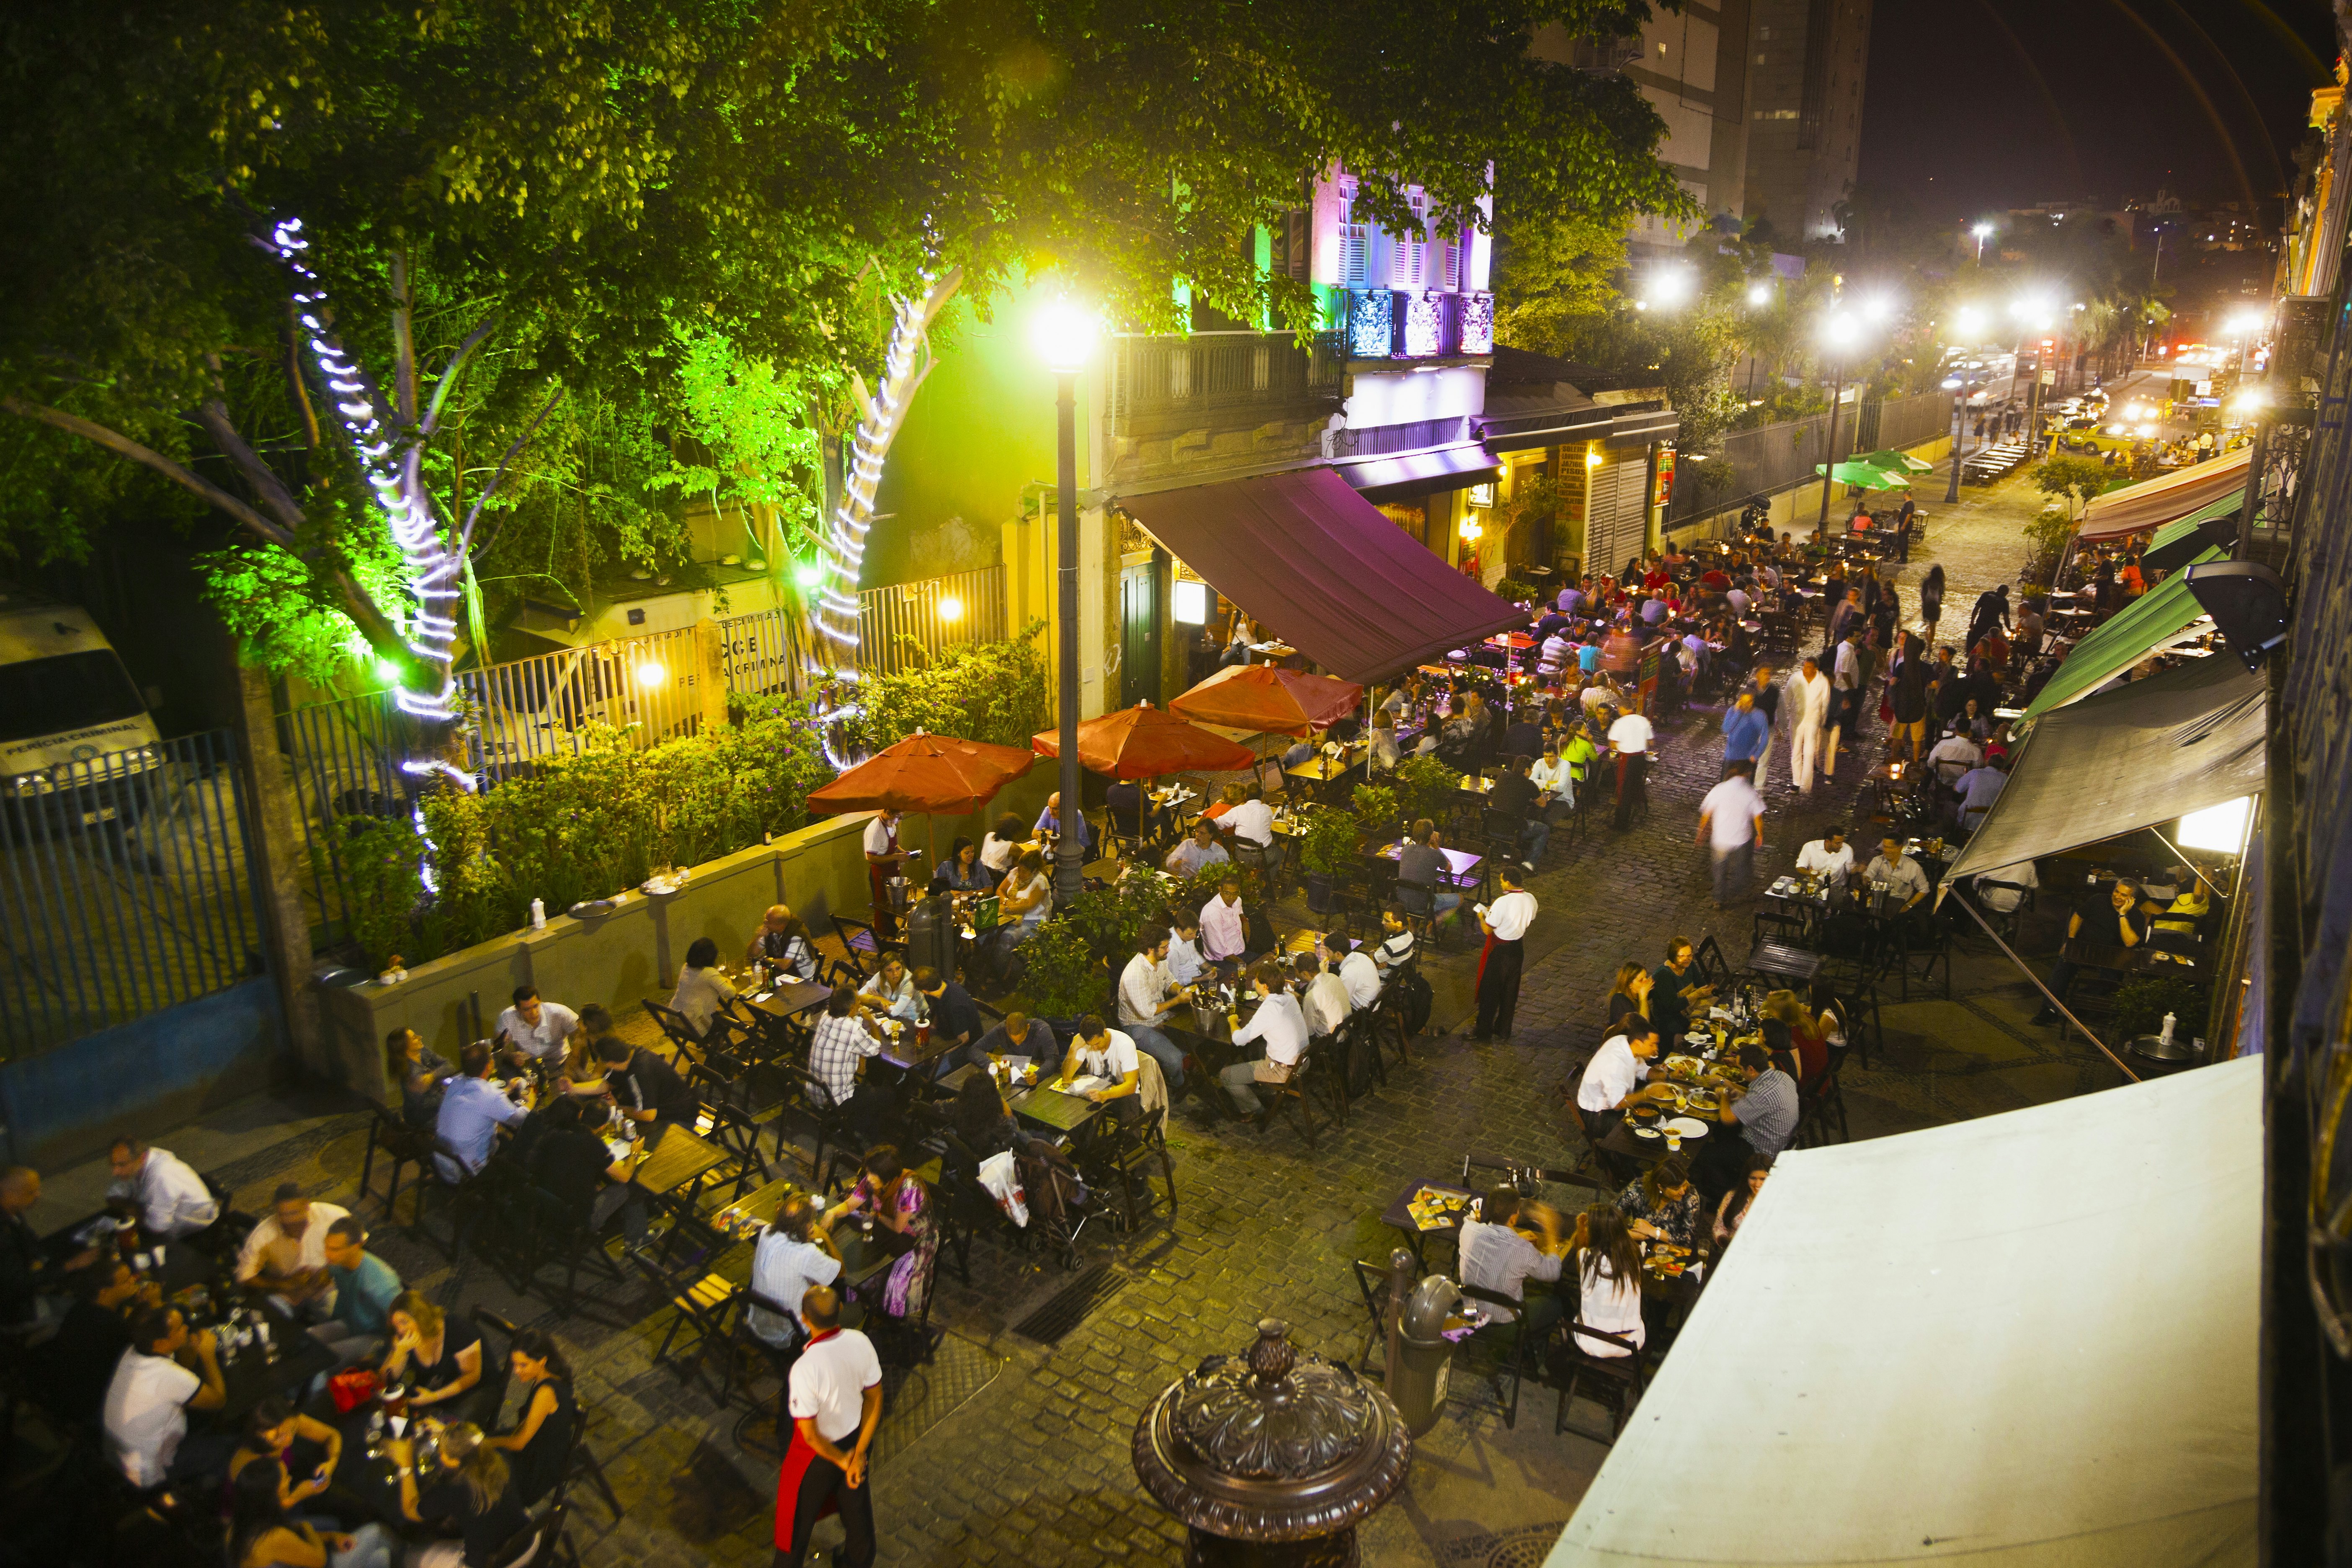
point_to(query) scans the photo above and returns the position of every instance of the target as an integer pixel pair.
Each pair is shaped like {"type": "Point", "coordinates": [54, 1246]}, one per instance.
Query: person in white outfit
{"type": "Point", "coordinates": [1807, 710]}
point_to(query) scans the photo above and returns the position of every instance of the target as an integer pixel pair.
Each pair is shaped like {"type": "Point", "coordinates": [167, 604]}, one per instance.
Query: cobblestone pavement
{"type": "Point", "coordinates": [1010, 1449]}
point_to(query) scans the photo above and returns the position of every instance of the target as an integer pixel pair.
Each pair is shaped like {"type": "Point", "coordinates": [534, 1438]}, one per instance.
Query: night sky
{"type": "Point", "coordinates": [1986, 104]}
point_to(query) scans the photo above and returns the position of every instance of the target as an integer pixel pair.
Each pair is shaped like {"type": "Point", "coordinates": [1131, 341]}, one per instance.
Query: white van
{"type": "Point", "coordinates": [65, 703]}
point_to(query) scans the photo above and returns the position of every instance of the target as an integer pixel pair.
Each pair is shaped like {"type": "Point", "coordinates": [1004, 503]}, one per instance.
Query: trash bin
{"type": "Point", "coordinates": [1424, 1357]}
{"type": "Point", "coordinates": [931, 936]}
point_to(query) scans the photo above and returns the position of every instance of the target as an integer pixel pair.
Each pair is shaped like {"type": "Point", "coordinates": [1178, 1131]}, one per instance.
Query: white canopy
{"type": "Point", "coordinates": [2026, 1338]}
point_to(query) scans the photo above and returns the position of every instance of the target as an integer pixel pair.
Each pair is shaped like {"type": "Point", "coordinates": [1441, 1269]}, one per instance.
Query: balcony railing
{"type": "Point", "coordinates": [1199, 378]}
{"type": "Point", "coordinates": [1418, 323]}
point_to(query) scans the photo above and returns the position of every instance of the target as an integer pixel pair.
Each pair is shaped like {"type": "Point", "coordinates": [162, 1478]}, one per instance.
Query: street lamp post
{"type": "Point", "coordinates": [1063, 336]}
{"type": "Point", "coordinates": [1839, 331]}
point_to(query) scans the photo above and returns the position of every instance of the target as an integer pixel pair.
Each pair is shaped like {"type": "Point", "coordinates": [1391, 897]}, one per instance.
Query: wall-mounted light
{"type": "Point", "coordinates": [2220, 829]}
{"type": "Point", "coordinates": [1190, 605]}
{"type": "Point", "coordinates": [650, 675]}
{"type": "Point", "coordinates": [951, 609]}
{"type": "Point", "coordinates": [1470, 528]}
{"type": "Point", "coordinates": [1592, 458]}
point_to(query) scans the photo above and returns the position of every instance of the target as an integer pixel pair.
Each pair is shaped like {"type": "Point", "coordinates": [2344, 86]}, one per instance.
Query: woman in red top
{"type": "Point", "coordinates": [1806, 1037]}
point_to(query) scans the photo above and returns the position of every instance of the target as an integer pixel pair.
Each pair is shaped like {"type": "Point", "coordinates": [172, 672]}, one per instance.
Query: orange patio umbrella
{"type": "Point", "coordinates": [1267, 698]}
{"type": "Point", "coordinates": [928, 774]}
{"type": "Point", "coordinates": [1143, 743]}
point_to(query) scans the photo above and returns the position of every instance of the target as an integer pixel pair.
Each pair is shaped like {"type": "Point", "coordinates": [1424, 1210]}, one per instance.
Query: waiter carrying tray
{"type": "Point", "coordinates": [1505, 923]}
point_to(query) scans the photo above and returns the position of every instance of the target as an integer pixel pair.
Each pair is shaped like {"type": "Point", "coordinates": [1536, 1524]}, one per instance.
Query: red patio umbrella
{"type": "Point", "coordinates": [929, 773]}
{"type": "Point", "coordinates": [1264, 697]}
{"type": "Point", "coordinates": [1143, 743]}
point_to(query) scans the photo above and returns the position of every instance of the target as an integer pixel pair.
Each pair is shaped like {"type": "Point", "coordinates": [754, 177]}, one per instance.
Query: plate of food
{"type": "Point", "coordinates": [1688, 1126]}
{"type": "Point", "coordinates": [1645, 1132]}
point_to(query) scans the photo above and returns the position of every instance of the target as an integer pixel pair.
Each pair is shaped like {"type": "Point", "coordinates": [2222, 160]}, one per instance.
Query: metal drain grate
{"type": "Point", "coordinates": [1068, 1307]}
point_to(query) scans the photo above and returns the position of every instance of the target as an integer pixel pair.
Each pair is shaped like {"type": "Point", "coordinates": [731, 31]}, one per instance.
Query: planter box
{"type": "Point", "coordinates": [620, 959]}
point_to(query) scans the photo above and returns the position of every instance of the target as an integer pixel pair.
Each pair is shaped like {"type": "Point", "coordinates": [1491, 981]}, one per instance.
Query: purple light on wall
{"type": "Point", "coordinates": [1372, 322]}
{"type": "Point", "coordinates": [1477, 324]}
{"type": "Point", "coordinates": [1425, 319]}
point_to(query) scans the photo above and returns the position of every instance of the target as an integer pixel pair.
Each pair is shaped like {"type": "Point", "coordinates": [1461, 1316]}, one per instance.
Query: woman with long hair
{"type": "Point", "coordinates": [980, 1119]}
{"type": "Point", "coordinates": [1734, 1206]}
{"type": "Point", "coordinates": [1608, 1264]}
{"type": "Point", "coordinates": [541, 1440]}
{"type": "Point", "coordinates": [1806, 1043]}
{"type": "Point", "coordinates": [261, 1535]}
{"type": "Point", "coordinates": [898, 1199]}
{"type": "Point", "coordinates": [420, 1072]}
{"type": "Point", "coordinates": [270, 1434]}
{"type": "Point", "coordinates": [703, 989]}
{"type": "Point", "coordinates": [961, 871]}
{"type": "Point", "coordinates": [440, 1357]}
{"type": "Point", "coordinates": [469, 1491]}
{"type": "Point", "coordinates": [1662, 1203]}
{"type": "Point", "coordinates": [1629, 994]}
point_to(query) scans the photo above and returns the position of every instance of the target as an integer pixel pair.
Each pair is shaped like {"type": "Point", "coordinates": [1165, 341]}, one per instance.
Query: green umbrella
{"type": "Point", "coordinates": [1866, 476]}
{"type": "Point", "coordinates": [1895, 462]}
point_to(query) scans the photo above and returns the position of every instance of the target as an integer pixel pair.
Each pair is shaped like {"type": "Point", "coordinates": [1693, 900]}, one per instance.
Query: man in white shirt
{"type": "Point", "coordinates": [1323, 1001]}
{"type": "Point", "coordinates": [883, 859]}
{"type": "Point", "coordinates": [1148, 993]}
{"type": "Point", "coordinates": [835, 1394]}
{"type": "Point", "coordinates": [1845, 695]}
{"type": "Point", "coordinates": [1731, 820]}
{"type": "Point", "coordinates": [173, 1200]}
{"type": "Point", "coordinates": [1554, 781]}
{"type": "Point", "coordinates": [1808, 707]}
{"type": "Point", "coordinates": [147, 1404]}
{"type": "Point", "coordinates": [2004, 899]}
{"type": "Point", "coordinates": [1504, 923]}
{"type": "Point", "coordinates": [534, 1029]}
{"type": "Point", "coordinates": [1279, 1026]}
{"type": "Point", "coordinates": [1099, 1051]}
{"type": "Point", "coordinates": [795, 1255]}
{"type": "Point", "coordinates": [1197, 852]}
{"type": "Point", "coordinates": [1955, 755]}
{"type": "Point", "coordinates": [1495, 1254]}
{"type": "Point", "coordinates": [1359, 972]}
{"type": "Point", "coordinates": [1184, 961]}
{"type": "Point", "coordinates": [1630, 738]}
{"type": "Point", "coordinates": [1827, 856]}
{"type": "Point", "coordinates": [1613, 1078]}
{"type": "Point", "coordinates": [286, 1254]}
{"type": "Point", "coordinates": [1252, 822]}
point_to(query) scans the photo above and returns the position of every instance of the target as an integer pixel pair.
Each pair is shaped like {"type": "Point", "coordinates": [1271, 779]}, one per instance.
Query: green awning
{"type": "Point", "coordinates": [2173, 546]}
{"type": "Point", "coordinates": [2155, 619]}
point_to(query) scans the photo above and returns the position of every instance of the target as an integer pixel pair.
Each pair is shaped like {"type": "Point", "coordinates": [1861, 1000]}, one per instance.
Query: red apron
{"type": "Point", "coordinates": [798, 1457]}
{"type": "Point", "coordinates": [1483, 953]}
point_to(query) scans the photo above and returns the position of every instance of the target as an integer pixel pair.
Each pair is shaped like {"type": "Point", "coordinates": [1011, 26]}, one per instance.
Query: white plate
{"type": "Point", "coordinates": [1645, 1132]}
{"type": "Point", "coordinates": [1689, 1126]}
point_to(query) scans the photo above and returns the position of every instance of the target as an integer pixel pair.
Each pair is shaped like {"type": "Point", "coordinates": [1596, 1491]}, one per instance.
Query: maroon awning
{"type": "Point", "coordinates": [1324, 570]}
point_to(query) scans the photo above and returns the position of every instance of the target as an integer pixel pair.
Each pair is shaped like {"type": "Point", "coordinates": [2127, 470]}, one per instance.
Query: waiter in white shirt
{"type": "Point", "coordinates": [1505, 923]}
{"type": "Point", "coordinates": [1630, 738]}
{"type": "Point", "coordinates": [882, 857]}
{"type": "Point", "coordinates": [835, 1396]}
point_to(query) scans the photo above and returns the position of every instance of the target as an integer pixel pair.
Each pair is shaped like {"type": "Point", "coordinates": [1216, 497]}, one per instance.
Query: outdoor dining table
{"type": "Point", "coordinates": [789, 999]}
{"type": "Point", "coordinates": [251, 1376]}
{"type": "Point", "coordinates": [675, 1158]}
{"type": "Point", "coordinates": [1461, 867]}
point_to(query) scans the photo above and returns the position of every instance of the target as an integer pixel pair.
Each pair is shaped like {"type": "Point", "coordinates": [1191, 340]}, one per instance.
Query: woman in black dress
{"type": "Point", "coordinates": [541, 1440]}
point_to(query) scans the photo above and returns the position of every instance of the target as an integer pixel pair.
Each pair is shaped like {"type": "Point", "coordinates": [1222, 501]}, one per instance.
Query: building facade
{"type": "Point", "coordinates": [1804, 67]}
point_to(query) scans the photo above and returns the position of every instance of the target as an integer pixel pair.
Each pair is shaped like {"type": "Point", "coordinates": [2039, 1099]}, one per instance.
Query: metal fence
{"type": "Point", "coordinates": [124, 888]}
{"type": "Point", "coordinates": [1775, 458]}
{"type": "Point", "coordinates": [903, 626]}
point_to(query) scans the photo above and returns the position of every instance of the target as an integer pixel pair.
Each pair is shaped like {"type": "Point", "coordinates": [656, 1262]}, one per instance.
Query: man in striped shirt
{"type": "Point", "coordinates": [1760, 1121]}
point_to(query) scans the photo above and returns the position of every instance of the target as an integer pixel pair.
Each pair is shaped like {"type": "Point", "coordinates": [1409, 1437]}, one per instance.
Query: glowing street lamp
{"type": "Point", "coordinates": [1759, 293]}
{"type": "Point", "coordinates": [1983, 231]}
{"type": "Point", "coordinates": [1669, 285]}
{"type": "Point", "coordinates": [1062, 333]}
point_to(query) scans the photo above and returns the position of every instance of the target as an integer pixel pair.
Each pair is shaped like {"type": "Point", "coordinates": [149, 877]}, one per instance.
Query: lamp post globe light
{"type": "Point", "coordinates": [1062, 333]}
{"type": "Point", "coordinates": [1983, 231]}
{"type": "Point", "coordinates": [1840, 334]}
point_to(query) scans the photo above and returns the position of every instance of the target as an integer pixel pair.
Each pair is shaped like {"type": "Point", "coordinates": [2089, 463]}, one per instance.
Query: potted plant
{"type": "Point", "coordinates": [1327, 848]}
{"type": "Point", "coordinates": [1062, 978]}
{"type": "Point", "coordinates": [1376, 810]}
{"type": "Point", "coordinates": [1425, 787]}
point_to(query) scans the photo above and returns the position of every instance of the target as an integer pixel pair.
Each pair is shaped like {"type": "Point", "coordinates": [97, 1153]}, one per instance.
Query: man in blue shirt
{"type": "Point", "coordinates": [1050, 821]}
{"type": "Point", "coordinates": [1588, 657]}
{"type": "Point", "coordinates": [365, 1287]}
{"type": "Point", "coordinates": [1745, 730]}
{"type": "Point", "coordinates": [1979, 787]}
{"type": "Point", "coordinates": [471, 1115]}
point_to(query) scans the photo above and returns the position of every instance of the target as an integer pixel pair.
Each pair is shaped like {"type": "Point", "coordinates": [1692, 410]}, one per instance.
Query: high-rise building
{"type": "Point", "coordinates": [1804, 72]}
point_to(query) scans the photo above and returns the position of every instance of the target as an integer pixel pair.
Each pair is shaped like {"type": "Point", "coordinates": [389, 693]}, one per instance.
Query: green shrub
{"type": "Point", "coordinates": [2139, 1006]}
{"type": "Point", "coordinates": [1425, 787]}
{"type": "Point", "coordinates": [382, 885]}
{"type": "Point", "coordinates": [1329, 845]}
{"type": "Point", "coordinates": [992, 691]}
{"type": "Point", "coordinates": [1376, 810]}
{"type": "Point", "coordinates": [1064, 978]}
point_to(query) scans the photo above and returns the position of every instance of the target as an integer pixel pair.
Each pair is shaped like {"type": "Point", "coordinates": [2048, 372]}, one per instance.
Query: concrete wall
{"type": "Point", "coordinates": [143, 1077]}
{"type": "Point", "coordinates": [620, 959]}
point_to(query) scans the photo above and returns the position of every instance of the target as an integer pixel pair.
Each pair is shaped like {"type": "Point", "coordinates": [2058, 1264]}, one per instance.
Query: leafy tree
{"type": "Point", "coordinates": [2071, 480]}
{"type": "Point", "coordinates": [696, 220]}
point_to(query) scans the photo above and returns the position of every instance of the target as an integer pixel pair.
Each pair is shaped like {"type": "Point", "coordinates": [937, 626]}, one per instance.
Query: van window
{"type": "Point", "coordinates": [66, 691]}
